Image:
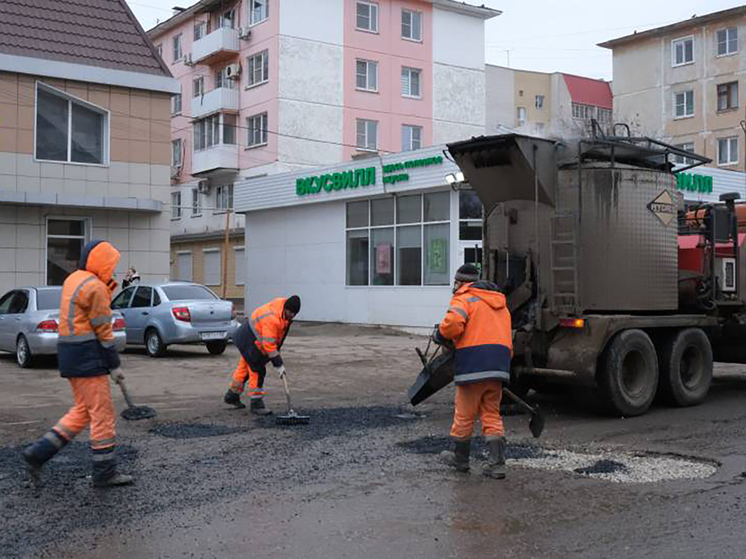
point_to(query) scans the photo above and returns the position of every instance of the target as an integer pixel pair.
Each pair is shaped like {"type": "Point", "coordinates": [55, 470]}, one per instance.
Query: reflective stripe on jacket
{"type": "Point", "coordinates": [479, 324]}
{"type": "Point", "coordinates": [85, 346]}
{"type": "Point", "coordinates": [259, 339]}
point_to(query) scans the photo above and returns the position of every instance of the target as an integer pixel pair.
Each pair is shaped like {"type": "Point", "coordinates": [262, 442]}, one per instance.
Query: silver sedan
{"type": "Point", "coordinates": [29, 319]}
{"type": "Point", "coordinates": [176, 312]}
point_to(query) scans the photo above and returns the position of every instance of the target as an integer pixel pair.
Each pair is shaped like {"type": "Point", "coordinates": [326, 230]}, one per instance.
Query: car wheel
{"type": "Point", "coordinates": [154, 343]}
{"type": "Point", "coordinates": [23, 353]}
{"type": "Point", "coordinates": [216, 348]}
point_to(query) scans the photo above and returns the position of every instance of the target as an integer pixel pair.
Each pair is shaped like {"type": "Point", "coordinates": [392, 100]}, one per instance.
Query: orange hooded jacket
{"type": "Point", "coordinates": [260, 338]}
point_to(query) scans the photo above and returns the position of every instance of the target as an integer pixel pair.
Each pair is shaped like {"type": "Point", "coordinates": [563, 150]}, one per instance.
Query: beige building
{"type": "Point", "coordinates": [84, 141]}
{"type": "Point", "coordinates": [544, 104]}
{"type": "Point", "coordinates": [680, 83]}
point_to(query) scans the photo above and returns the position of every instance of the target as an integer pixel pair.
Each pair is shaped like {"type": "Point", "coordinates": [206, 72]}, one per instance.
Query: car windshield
{"type": "Point", "coordinates": [48, 299]}
{"type": "Point", "coordinates": [188, 293]}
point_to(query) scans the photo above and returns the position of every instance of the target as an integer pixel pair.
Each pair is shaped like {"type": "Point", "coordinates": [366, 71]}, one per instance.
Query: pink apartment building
{"type": "Point", "coordinates": [271, 86]}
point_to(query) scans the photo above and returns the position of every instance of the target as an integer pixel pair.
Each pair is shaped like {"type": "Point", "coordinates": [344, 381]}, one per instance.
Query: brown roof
{"type": "Point", "coordinates": [678, 26]}
{"type": "Point", "coordinates": [102, 33]}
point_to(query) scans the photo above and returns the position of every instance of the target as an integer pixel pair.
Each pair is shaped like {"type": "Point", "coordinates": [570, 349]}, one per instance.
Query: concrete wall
{"type": "Point", "coordinates": [500, 95]}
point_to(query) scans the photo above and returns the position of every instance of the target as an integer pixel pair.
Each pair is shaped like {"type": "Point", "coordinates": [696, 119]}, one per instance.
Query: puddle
{"type": "Point", "coordinates": [192, 430]}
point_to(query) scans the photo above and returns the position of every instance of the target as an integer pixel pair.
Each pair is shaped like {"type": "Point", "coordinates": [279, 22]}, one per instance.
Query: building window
{"type": "Point", "coordinates": [240, 264]}
{"type": "Point", "coordinates": [583, 112]}
{"type": "Point", "coordinates": [184, 266]}
{"type": "Point", "coordinates": [65, 241]}
{"type": "Point", "coordinates": [176, 205]}
{"type": "Point", "coordinates": [230, 123]}
{"type": "Point", "coordinates": [539, 101]}
{"type": "Point", "coordinates": [258, 66]}
{"type": "Point", "coordinates": [604, 116]}
{"type": "Point", "coordinates": [680, 159]}
{"type": "Point", "coordinates": [224, 197]}
{"type": "Point", "coordinates": [257, 129]}
{"type": "Point", "coordinates": [222, 78]}
{"type": "Point", "coordinates": [206, 132]}
{"type": "Point", "coordinates": [727, 94]}
{"type": "Point", "coordinates": [196, 202]}
{"type": "Point", "coordinates": [367, 17]}
{"type": "Point", "coordinates": [682, 51]}
{"type": "Point", "coordinates": [411, 137]}
{"type": "Point", "coordinates": [366, 75]}
{"type": "Point", "coordinates": [521, 116]}
{"type": "Point", "coordinates": [70, 130]}
{"type": "Point", "coordinates": [176, 104]}
{"type": "Point", "coordinates": [410, 82]}
{"type": "Point", "coordinates": [176, 154]}
{"type": "Point", "coordinates": [727, 41]}
{"type": "Point", "coordinates": [198, 87]}
{"type": "Point", "coordinates": [200, 30]}
{"type": "Point", "coordinates": [211, 266]}
{"type": "Point", "coordinates": [228, 19]}
{"type": "Point", "coordinates": [159, 49]}
{"type": "Point", "coordinates": [470, 216]}
{"type": "Point", "coordinates": [367, 134]}
{"type": "Point", "coordinates": [684, 104]}
{"type": "Point", "coordinates": [411, 25]}
{"type": "Point", "coordinates": [728, 151]}
{"type": "Point", "coordinates": [178, 54]}
{"type": "Point", "coordinates": [259, 11]}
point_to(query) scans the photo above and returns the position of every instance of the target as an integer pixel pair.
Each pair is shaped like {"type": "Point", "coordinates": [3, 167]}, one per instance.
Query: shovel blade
{"type": "Point", "coordinates": [137, 412]}
{"type": "Point", "coordinates": [536, 425]}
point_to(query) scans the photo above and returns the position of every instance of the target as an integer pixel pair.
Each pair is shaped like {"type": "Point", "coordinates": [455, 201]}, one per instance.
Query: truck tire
{"type": "Point", "coordinates": [685, 368]}
{"type": "Point", "coordinates": [628, 377]}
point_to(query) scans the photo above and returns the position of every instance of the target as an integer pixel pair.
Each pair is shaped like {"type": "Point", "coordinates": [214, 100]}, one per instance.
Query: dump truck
{"type": "Point", "coordinates": [613, 281]}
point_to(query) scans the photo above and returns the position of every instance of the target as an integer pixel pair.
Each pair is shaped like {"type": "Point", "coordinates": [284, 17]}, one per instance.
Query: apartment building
{"type": "Point", "coordinates": [544, 104]}
{"type": "Point", "coordinates": [84, 140]}
{"type": "Point", "coordinates": [681, 83]}
{"type": "Point", "coordinates": [271, 86]}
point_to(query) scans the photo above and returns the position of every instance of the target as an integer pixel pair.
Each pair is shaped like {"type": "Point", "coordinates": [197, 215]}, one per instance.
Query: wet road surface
{"type": "Point", "coordinates": [362, 479]}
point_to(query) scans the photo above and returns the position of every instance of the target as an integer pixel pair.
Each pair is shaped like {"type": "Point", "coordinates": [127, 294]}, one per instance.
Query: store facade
{"type": "Point", "coordinates": [373, 241]}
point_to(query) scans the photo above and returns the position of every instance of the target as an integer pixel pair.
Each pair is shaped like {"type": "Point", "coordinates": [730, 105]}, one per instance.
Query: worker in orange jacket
{"type": "Point", "coordinates": [259, 341]}
{"type": "Point", "coordinates": [87, 357]}
{"type": "Point", "coordinates": [478, 324]}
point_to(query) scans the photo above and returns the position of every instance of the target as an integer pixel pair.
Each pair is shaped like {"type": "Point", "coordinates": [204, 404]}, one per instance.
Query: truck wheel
{"type": "Point", "coordinates": [629, 373]}
{"type": "Point", "coordinates": [686, 368]}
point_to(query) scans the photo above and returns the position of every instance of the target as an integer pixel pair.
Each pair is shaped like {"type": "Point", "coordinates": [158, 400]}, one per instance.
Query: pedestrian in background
{"type": "Point", "coordinates": [130, 277]}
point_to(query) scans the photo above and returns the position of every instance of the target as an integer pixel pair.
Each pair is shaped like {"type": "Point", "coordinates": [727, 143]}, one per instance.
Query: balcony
{"type": "Point", "coordinates": [219, 45]}
{"type": "Point", "coordinates": [221, 157]}
{"type": "Point", "coordinates": [221, 99]}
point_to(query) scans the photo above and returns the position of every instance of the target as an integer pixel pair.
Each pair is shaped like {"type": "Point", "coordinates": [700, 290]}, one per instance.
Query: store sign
{"type": "Point", "coordinates": [336, 181]}
{"type": "Point", "coordinates": [393, 173]}
{"type": "Point", "coordinates": [694, 183]}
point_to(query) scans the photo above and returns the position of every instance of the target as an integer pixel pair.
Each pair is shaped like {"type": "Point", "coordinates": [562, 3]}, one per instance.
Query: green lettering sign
{"type": "Point", "coordinates": [690, 182]}
{"type": "Point", "coordinates": [336, 181]}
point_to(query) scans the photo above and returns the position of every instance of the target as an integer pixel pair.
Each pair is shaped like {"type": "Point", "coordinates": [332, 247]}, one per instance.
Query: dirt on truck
{"type": "Point", "coordinates": [613, 281]}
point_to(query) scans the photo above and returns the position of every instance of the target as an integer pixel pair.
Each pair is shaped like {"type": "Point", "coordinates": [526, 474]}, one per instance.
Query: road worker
{"type": "Point", "coordinates": [259, 340]}
{"type": "Point", "coordinates": [87, 357]}
{"type": "Point", "coordinates": [478, 325]}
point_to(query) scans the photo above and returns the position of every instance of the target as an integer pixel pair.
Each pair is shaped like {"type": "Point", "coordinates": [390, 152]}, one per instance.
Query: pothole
{"type": "Point", "coordinates": [192, 430]}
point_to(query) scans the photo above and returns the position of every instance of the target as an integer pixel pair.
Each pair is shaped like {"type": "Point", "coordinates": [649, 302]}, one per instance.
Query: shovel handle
{"type": "Point", "coordinates": [287, 391]}
{"type": "Point", "coordinates": [518, 400]}
{"type": "Point", "coordinates": [125, 393]}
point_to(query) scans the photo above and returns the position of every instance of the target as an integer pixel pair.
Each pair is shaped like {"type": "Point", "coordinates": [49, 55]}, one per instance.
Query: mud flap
{"type": "Point", "coordinates": [437, 374]}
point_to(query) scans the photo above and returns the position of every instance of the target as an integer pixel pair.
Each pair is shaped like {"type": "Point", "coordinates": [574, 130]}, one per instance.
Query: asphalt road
{"type": "Point", "coordinates": [362, 479]}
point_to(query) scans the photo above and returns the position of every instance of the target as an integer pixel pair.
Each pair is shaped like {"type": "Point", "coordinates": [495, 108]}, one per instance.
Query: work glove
{"type": "Point", "coordinates": [117, 375]}
{"type": "Point", "coordinates": [281, 371]}
{"type": "Point", "coordinates": [438, 338]}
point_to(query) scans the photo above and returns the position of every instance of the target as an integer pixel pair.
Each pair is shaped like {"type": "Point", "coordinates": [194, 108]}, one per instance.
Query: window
{"type": "Point", "coordinates": [684, 104]}
{"type": "Point", "coordinates": [682, 51]}
{"type": "Point", "coordinates": [583, 112]}
{"type": "Point", "coordinates": [198, 87]}
{"type": "Point", "coordinates": [727, 94]}
{"type": "Point", "coordinates": [411, 25]}
{"type": "Point", "coordinates": [410, 82]}
{"type": "Point", "coordinates": [257, 129]}
{"type": "Point", "coordinates": [521, 116]}
{"type": "Point", "coordinates": [367, 17]}
{"type": "Point", "coordinates": [176, 154]}
{"type": "Point", "coordinates": [258, 66]}
{"type": "Point", "coordinates": [159, 50]}
{"type": "Point", "coordinates": [240, 275]}
{"type": "Point", "coordinates": [176, 205]}
{"type": "Point", "coordinates": [539, 101]}
{"type": "Point", "coordinates": [604, 116]}
{"type": "Point", "coordinates": [196, 203]}
{"type": "Point", "coordinates": [188, 292]}
{"type": "Point", "coordinates": [206, 132]}
{"type": "Point", "coordinates": [259, 11]}
{"type": "Point", "coordinates": [470, 216]}
{"type": "Point", "coordinates": [367, 75]}
{"type": "Point", "coordinates": [224, 197]}
{"type": "Point", "coordinates": [367, 134]}
{"type": "Point", "coordinates": [728, 151]}
{"type": "Point", "coordinates": [183, 269]}
{"type": "Point", "coordinates": [65, 241]}
{"type": "Point", "coordinates": [222, 79]}
{"type": "Point", "coordinates": [229, 129]}
{"type": "Point", "coordinates": [178, 54]}
{"type": "Point", "coordinates": [727, 41]}
{"type": "Point", "coordinates": [411, 137]}
{"type": "Point", "coordinates": [176, 104]}
{"type": "Point", "coordinates": [211, 268]}
{"type": "Point", "coordinates": [143, 297]}
{"type": "Point", "coordinates": [680, 159]}
{"type": "Point", "coordinates": [228, 19]}
{"type": "Point", "coordinates": [70, 130]}
{"type": "Point", "coordinates": [200, 30]}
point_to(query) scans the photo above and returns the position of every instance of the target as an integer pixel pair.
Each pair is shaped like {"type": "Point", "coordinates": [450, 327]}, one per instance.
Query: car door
{"type": "Point", "coordinates": [139, 313]}
{"type": "Point", "coordinates": [121, 303]}
{"type": "Point", "coordinates": [5, 303]}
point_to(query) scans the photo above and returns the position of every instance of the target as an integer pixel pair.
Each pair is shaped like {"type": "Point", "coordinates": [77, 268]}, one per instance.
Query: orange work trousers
{"type": "Point", "coordinates": [244, 372]}
{"type": "Point", "coordinates": [93, 405]}
{"type": "Point", "coordinates": [478, 399]}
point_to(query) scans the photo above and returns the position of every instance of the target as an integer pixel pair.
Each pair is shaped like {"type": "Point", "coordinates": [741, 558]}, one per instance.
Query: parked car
{"type": "Point", "coordinates": [29, 319]}
{"type": "Point", "coordinates": [177, 312]}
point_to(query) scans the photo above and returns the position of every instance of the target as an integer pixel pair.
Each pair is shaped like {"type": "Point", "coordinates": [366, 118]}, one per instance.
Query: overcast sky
{"type": "Point", "coordinates": [543, 35]}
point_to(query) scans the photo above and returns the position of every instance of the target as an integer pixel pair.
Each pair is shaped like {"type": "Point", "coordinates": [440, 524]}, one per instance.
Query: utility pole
{"type": "Point", "coordinates": [226, 247]}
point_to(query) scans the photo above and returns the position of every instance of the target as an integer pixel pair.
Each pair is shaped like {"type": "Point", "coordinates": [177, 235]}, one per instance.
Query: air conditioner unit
{"type": "Point", "coordinates": [244, 33]}
{"type": "Point", "coordinates": [203, 187]}
{"type": "Point", "coordinates": [188, 59]}
{"type": "Point", "coordinates": [232, 71]}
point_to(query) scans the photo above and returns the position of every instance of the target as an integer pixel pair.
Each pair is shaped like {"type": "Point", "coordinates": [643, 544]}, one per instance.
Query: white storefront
{"type": "Point", "coordinates": [706, 184]}
{"type": "Point", "coordinates": [373, 241]}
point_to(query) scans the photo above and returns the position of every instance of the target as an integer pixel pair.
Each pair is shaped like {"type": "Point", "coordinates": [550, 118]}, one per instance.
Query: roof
{"type": "Point", "coordinates": [101, 33]}
{"type": "Point", "coordinates": [588, 91]}
{"type": "Point", "coordinates": [675, 27]}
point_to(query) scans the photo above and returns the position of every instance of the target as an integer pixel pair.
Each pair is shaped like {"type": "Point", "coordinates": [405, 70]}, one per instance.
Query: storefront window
{"type": "Point", "coordinates": [382, 256]}
{"type": "Point", "coordinates": [357, 214]}
{"type": "Point", "coordinates": [409, 255]}
{"type": "Point", "coordinates": [65, 241]}
{"type": "Point", "coordinates": [437, 206]}
{"type": "Point", "coordinates": [409, 209]}
{"type": "Point", "coordinates": [357, 256]}
{"type": "Point", "coordinates": [470, 216]}
{"type": "Point", "coordinates": [382, 211]}
{"type": "Point", "coordinates": [436, 254]}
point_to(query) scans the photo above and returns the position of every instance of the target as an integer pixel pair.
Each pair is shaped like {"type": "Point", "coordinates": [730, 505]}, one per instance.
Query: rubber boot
{"type": "Point", "coordinates": [495, 467]}
{"type": "Point", "coordinates": [458, 458]}
{"type": "Point", "coordinates": [42, 451]}
{"type": "Point", "coordinates": [234, 400]}
{"type": "Point", "coordinates": [258, 407]}
{"type": "Point", "coordinates": [105, 469]}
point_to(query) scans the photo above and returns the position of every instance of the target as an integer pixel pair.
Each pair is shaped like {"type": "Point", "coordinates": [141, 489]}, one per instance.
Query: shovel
{"type": "Point", "coordinates": [537, 417]}
{"type": "Point", "coordinates": [133, 412]}
{"type": "Point", "coordinates": [291, 418]}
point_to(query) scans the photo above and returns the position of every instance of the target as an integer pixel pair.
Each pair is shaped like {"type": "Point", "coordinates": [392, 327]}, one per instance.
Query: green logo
{"type": "Point", "coordinates": [391, 178]}
{"type": "Point", "coordinates": [694, 183]}
{"type": "Point", "coordinates": [336, 181]}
